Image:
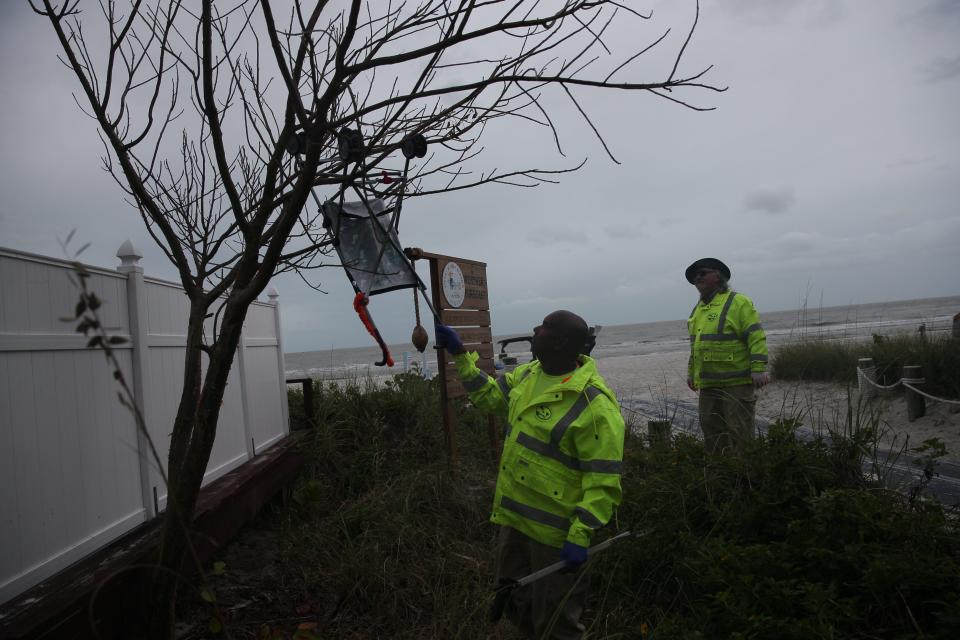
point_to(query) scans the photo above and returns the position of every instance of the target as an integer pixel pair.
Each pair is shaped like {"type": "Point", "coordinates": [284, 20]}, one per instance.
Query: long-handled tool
{"type": "Point", "coordinates": [508, 585]}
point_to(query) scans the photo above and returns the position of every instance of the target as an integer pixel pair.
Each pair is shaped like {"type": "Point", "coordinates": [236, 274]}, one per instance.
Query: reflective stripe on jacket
{"type": "Point", "coordinates": [727, 343]}
{"type": "Point", "coordinates": [560, 470]}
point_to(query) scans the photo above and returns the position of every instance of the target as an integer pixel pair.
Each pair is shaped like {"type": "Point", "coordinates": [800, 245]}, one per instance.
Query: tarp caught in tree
{"type": "Point", "coordinates": [369, 247]}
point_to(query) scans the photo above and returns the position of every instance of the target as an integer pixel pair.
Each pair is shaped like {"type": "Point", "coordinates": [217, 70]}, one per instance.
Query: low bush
{"type": "Point", "coordinates": [828, 361]}
{"type": "Point", "coordinates": [836, 360]}
{"type": "Point", "coordinates": [787, 541]}
{"type": "Point", "coordinates": [383, 539]}
{"type": "Point", "coordinates": [939, 356]}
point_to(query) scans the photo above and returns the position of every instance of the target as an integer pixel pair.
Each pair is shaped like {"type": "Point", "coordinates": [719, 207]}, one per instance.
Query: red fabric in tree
{"type": "Point", "coordinates": [360, 302]}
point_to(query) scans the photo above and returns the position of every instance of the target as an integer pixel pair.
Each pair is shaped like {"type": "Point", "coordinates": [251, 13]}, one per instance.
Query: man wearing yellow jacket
{"type": "Point", "coordinates": [728, 356]}
{"type": "Point", "coordinates": [559, 477]}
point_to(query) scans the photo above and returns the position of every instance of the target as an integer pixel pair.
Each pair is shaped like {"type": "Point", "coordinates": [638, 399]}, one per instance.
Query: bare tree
{"type": "Point", "coordinates": [199, 113]}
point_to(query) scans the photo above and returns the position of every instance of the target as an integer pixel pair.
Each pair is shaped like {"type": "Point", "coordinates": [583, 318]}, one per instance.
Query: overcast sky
{"type": "Point", "coordinates": [828, 172]}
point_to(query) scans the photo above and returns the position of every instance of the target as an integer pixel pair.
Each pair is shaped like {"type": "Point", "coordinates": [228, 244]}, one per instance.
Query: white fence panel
{"type": "Point", "coordinates": [166, 311]}
{"type": "Point", "coordinates": [230, 447]}
{"type": "Point", "coordinates": [74, 472]}
{"type": "Point", "coordinates": [266, 390]}
{"type": "Point", "coordinates": [69, 462]}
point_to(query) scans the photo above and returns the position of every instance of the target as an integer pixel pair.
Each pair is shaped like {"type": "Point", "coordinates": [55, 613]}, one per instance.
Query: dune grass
{"type": "Point", "coordinates": [836, 360]}
{"type": "Point", "coordinates": [791, 540]}
{"type": "Point", "coordinates": [381, 538]}
{"type": "Point", "coordinates": [381, 530]}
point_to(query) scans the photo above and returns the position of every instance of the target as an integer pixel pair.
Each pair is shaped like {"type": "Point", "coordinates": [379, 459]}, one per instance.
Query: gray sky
{"type": "Point", "coordinates": [828, 173]}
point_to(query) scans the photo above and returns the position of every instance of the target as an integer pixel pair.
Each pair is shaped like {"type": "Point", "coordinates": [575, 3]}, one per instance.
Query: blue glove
{"type": "Point", "coordinates": [448, 339]}
{"type": "Point", "coordinates": [573, 554]}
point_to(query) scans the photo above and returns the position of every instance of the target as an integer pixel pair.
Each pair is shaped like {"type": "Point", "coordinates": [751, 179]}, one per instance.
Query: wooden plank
{"type": "Point", "coordinates": [465, 318]}
{"type": "Point", "coordinates": [455, 388]}
{"type": "Point", "coordinates": [417, 254]}
{"type": "Point", "coordinates": [484, 364]}
{"type": "Point", "coordinates": [480, 303]}
{"type": "Point", "coordinates": [485, 350]}
{"type": "Point", "coordinates": [475, 335]}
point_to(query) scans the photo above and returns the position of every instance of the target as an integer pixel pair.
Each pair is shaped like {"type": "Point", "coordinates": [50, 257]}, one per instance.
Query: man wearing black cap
{"type": "Point", "coordinates": [728, 356]}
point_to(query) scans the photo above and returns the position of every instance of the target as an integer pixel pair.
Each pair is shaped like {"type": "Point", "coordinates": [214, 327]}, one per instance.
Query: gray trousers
{"type": "Point", "coordinates": [727, 417]}
{"type": "Point", "coordinates": [549, 608]}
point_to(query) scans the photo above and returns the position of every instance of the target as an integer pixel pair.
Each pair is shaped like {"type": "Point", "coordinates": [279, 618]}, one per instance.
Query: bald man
{"type": "Point", "coordinates": [559, 477]}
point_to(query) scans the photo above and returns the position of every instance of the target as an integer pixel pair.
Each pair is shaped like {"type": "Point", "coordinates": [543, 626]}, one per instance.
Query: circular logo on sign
{"type": "Point", "coordinates": [453, 287]}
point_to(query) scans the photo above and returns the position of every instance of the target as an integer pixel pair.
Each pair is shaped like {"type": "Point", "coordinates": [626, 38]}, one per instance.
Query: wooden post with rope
{"type": "Point", "coordinates": [916, 403]}
{"type": "Point", "coordinates": [459, 293]}
{"type": "Point", "coordinates": [866, 375]}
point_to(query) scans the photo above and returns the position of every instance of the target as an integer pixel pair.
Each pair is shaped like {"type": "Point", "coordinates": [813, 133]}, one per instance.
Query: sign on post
{"type": "Point", "coordinates": [459, 295]}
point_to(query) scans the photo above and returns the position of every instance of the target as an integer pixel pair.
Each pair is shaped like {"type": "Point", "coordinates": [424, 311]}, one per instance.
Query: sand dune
{"type": "Point", "coordinates": [657, 376]}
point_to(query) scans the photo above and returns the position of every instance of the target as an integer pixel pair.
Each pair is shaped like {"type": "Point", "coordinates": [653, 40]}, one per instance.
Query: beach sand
{"type": "Point", "coordinates": [657, 376]}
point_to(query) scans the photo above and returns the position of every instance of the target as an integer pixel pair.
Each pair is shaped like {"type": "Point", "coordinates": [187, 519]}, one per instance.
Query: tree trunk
{"type": "Point", "coordinates": [196, 426]}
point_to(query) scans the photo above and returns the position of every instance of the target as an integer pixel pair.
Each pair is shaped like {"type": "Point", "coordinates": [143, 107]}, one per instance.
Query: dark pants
{"type": "Point", "coordinates": [532, 608]}
{"type": "Point", "coordinates": [727, 417]}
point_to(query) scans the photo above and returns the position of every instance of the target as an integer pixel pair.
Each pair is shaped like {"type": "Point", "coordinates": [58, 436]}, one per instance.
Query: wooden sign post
{"type": "Point", "coordinates": [459, 294]}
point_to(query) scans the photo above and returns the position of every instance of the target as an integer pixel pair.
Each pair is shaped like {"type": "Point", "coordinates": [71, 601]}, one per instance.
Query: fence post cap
{"type": "Point", "coordinates": [129, 255]}
{"type": "Point", "coordinates": [272, 294]}
{"type": "Point", "coordinates": [912, 372]}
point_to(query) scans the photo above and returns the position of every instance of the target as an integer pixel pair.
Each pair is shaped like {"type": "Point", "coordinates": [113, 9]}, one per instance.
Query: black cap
{"type": "Point", "coordinates": [707, 263]}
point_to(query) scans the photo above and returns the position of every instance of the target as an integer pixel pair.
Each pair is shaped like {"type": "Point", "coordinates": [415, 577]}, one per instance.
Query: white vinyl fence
{"type": "Point", "coordinates": [75, 473]}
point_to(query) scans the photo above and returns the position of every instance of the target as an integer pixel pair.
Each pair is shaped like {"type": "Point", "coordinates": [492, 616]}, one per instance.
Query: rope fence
{"type": "Point", "coordinates": [927, 395]}
{"type": "Point", "coordinates": [911, 377]}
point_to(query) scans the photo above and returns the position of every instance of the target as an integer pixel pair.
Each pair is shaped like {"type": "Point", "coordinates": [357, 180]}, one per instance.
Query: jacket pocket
{"type": "Point", "coordinates": [713, 356]}
{"type": "Point", "coordinates": [558, 486]}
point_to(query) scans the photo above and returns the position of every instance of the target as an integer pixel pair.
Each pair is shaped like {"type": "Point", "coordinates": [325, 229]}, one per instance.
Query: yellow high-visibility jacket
{"type": "Point", "coordinates": [559, 475]}
{"type": "Point", "coordinates": [727, 342]}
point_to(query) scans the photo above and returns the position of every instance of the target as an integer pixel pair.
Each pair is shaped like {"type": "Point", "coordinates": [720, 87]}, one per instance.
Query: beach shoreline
{"type": "Point", "coordinates": [646, 364]}
{"type": "Point", "coordinates": [658, 380]}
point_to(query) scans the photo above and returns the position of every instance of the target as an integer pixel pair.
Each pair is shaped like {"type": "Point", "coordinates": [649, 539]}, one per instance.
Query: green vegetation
{"type": "Point", "coordinates": [378, 539]}
{"type": "Point", "coordinates": [788, 541]}
{"type": "Point", "coordinates": [381, 532]}
{"type": "Point", "coordinates": [836, 360]}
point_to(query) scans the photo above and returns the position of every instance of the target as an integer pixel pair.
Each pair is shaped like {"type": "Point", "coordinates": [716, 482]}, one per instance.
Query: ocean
{"type": "Point", "coordinates": [826, 323]}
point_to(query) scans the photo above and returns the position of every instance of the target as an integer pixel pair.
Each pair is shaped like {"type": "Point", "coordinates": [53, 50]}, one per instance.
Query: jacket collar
{"type": "Point", "coordinates": [717, 298]}
{"type": "Point", "coordinates": [577, 379]}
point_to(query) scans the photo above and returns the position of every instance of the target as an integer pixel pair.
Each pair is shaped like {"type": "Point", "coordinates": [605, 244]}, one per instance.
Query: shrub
{"type": "Point", "coordinates": [382, 532]}
{"type": "Point", "coordinates": [939, 356]}
{"type": "Point", "coordinates": [836, 361]}
{"type": "Point", "coordinates": [787, 540]}
{"type": "Point", "coordinates": [833, 361]}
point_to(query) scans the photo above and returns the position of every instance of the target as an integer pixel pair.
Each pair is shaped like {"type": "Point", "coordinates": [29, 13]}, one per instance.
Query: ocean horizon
{"type": "Point", "coordinates": [852, 322]}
